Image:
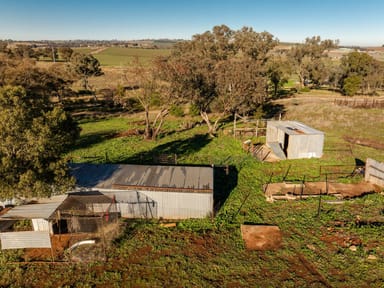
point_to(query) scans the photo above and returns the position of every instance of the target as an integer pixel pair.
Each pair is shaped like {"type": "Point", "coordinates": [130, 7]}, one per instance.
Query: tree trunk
{"type": "Point", "coordinates": [85, 82]}
{"type": "Point", "coordinates": [157, 125]}
{"type": "Point", "coordinates": [301, 79]}
{"type": "Point", "coordinates": [275, 88]}
{"type": "Point", "coordinates": [148, 130]}
{"type": "Point", "coordinates": [212, 128]}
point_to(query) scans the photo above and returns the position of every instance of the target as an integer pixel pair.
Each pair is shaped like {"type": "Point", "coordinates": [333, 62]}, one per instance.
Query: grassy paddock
{"type": "Point", "coordinates": [329, 249]}
{"type": "Point", "coordinates": [122, 57]}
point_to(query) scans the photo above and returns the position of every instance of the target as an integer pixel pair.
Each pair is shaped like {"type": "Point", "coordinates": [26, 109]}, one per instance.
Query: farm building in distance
{"type": "Point", "coordinates": [145, 191]}
{"type": "Point", "coordinates": [294, 140]}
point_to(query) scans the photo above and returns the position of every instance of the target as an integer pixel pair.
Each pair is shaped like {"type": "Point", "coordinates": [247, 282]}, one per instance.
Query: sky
{"type": "Point", "coordinates": [352, 22]}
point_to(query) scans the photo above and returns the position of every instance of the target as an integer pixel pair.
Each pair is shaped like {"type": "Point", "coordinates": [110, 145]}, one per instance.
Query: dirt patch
{"type": "Point", "coordinates": [292, 191]}
{"type": "Point", "coordinates": [261, 237]}
{"type": "Point", "coordinates": [364, 142]}
{"type": "Point", "coordinates": [131, 132]}
{"type": "Point", "coordinates": [336, 239]}
{"type": "Point", "coordinates": [59, 244]}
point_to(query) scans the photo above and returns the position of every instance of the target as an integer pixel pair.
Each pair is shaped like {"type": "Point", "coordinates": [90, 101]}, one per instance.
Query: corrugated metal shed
{"type": "Point", "coordinates": [180, 178]}
{"type": "Point", "coordinates": [144, 191]}
{"type": "Point", "coordinates": [295, 139]}
{"type": "Point", "coordinates": [25, 239]}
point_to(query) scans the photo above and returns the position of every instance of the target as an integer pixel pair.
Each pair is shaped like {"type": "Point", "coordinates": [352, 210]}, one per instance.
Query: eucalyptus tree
{"type": "Point", "coordinates": [278, 72]}
{"type": "Point", "coordinates": [360, 72]}
{"type": "Point", "coordinates": [65, 53]}
{"type": "Point", "coordinates": [85, 66]}
{"type": "Point", "coordinates": [221, 69]}
{"type": "Point", "coordinates": [34, 135]}
{"type": "Point", "coordinates": [148, 88]}
{"type": "Point", "coordinates": [306, 59]}
{"type": "Point", "coordinates": [38, 82]}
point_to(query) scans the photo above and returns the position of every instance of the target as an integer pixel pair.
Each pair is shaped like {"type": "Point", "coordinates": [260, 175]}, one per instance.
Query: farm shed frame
{"type": "Point", "coordinates": [145, 191]}
{"type": "Point", "coordinates": [294, 140]}
{"type": "Point", "coordinates": [76, 213]}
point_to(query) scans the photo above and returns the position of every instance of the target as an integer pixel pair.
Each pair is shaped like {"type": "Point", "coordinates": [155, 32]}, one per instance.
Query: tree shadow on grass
{"type": "Point", "coordinates": [272, 110]}
{"type": "Point", "coordinates": [172, 150]}
{"type": "Point", "coordinates": [91, 139]}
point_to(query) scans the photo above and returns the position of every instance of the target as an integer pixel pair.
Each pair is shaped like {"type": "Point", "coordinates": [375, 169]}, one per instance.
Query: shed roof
{"type": "Point", "coordinates": [81, 199]}
{"type": "Point", "coordinates": [108, 176]}
{"type": "Point", "coordinates": [294, 128]}
{"type": "Point", "coordinates": [32, 211]}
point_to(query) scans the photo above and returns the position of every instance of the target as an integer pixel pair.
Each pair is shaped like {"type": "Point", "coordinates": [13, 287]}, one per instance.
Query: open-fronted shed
{"type": "Point", "coordinates": [40, 214]}
{"type": "Point", "coordinates": [74, 212]}
{"type": "Point", "coordinates": [294, 140]}
{"type": "Point", "coordinates": [146, 191]}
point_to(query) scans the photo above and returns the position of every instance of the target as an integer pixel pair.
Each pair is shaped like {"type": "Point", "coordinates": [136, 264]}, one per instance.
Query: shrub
{"type": "Point", "coordinates": [176, 111]}
{"type": "Point", "coordinates": [351, 85]}
{"type": "Point", "coordinates": [194, 110]}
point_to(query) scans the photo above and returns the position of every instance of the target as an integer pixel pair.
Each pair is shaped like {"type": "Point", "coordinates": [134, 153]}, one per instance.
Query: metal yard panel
{"type": "Point", "coordinates": [25, 239]}
{"type": "Point", "coordinates": [374, 172]}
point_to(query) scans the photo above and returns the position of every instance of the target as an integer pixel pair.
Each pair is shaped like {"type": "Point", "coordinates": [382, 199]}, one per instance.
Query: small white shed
{"type": "Point", "coordinates": [294, 140]}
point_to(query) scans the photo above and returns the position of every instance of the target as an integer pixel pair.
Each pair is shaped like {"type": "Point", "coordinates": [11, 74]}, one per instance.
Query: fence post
{"type": "Point", "coordinates": [318, 207]}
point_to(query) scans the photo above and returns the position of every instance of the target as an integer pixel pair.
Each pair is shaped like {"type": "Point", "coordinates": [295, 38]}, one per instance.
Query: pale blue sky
{"type": "Point", "coordinates": [352, 22]}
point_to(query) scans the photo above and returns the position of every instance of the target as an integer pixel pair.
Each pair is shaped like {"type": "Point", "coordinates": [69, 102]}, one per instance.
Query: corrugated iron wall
{"type": "Point", "coordinates": [25, 239]}
{"type": "Point", "coordinates": [163, 204]}
{"type": "Point", "coordinates": [305, 146]}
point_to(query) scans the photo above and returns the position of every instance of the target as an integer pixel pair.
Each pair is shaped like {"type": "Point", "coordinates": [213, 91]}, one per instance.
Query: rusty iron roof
{"type": "Point", "coordinates": [294, 128]}
{"type": "Point", "coordinates": [141, 177]}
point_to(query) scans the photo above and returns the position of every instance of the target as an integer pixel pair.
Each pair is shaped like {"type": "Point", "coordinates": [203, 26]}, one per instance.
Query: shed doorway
{"type": "Point", "coordinates": [286, 143]}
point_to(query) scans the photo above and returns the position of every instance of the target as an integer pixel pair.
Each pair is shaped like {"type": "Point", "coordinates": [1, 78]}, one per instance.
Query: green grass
{"type": "Point", "coordinates": [84, 50]}
{"type": "Point", "coordinates": [117, 56]}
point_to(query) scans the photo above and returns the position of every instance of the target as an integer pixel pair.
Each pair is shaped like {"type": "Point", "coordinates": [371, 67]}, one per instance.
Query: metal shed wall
{"type": "Point", "coordinates": [25, 239]}
{"type": "Point", "coordinates": [163, 204]}
{"type": "Point", "coordinates": [175, 205]}
{"type": "Point", "coordinates": [305, 146]}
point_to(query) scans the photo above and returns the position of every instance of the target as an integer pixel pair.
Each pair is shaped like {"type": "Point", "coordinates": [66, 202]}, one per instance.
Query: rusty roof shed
{"type": "Point", "coordinates": [152, 191]}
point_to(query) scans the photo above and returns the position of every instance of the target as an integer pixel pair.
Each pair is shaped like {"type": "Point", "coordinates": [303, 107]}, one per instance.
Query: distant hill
{"type": "Point", "coordinates": [145, 43]}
